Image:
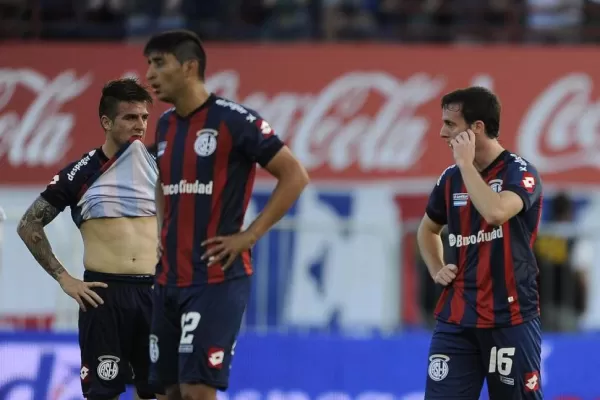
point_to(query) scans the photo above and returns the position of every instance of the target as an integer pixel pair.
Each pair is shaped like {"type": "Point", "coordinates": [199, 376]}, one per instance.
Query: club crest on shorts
{"type": "Point", "coordinates": [108, 369]}
{"type": "Point", "coordinates": [154, 352]}
{"type": "Point", "coordinates": [496, 185]}
{"type": "Point", "coordinates": [206, 142]}
{"type": "Point", "coordinates": [438, 367]}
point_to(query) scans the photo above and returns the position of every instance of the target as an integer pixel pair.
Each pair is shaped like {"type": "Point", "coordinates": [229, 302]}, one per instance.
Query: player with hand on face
{"type": "Point", "coordinates": [208, 148]}
{"type": "Point", "coordinates": [488, 324]}
{"type": "Point", "coordinates": [110, 192]}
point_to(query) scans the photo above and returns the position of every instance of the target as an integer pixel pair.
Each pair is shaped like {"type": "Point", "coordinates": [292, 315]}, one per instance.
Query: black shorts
{"type": "Point", "coordinates": [113, 338]}
{"type": "Point", "coordinates": [194, 331]}
{"type": "Point", "coordinates": [508, 358]}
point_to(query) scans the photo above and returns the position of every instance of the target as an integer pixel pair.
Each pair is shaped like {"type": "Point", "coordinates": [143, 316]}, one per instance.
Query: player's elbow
{"type": "Point", "coordinates": [287, 169]}
{"type": "Point", "coordinates": [496, 217]}
{"type": "Point", "coordinates": [297, 179]}
{"type": "Point", "coordinates": [293, 174]}
{"type": "Point", "coordinates": [301, 176]}
{"type": "Point", "coordinates": [23, 227]}
{"type": "Point", "coordinates": [20, 229]}
{"type": "Point", "coordinates": [508, 205]}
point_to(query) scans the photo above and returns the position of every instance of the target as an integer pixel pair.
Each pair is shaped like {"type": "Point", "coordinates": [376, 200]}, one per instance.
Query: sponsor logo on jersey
{"type": "Point", "coordinates": [482, 236]}
{"type": "Point", "coordinates": [185, 187]}
{"type": "Point", "coordinates": [80, 164]}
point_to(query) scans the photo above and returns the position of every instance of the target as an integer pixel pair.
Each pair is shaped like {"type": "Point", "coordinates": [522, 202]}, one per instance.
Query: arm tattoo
{"type": "Point", "coordinates": [31, 231]}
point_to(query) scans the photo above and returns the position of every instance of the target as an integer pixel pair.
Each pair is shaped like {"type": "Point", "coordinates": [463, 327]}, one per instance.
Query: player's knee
{"type": "Point", "coordinates": [173, 393]}
{"type": "Point", "coordinates": [198, 392]}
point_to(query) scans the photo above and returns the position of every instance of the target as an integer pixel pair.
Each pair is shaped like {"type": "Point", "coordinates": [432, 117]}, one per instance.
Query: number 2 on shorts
{"type": "Point", "coordinates": [189, 323]}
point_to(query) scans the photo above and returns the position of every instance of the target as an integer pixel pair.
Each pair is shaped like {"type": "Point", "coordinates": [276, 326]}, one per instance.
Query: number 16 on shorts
{"type": "Point", "coordinates": [502, 363]}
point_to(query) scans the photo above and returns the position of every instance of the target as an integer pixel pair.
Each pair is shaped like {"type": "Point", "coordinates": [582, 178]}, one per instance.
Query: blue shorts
{"type": "Point", "coordinates": [508, 358]}
{"type": "Point", "coordinates": [194, 330]}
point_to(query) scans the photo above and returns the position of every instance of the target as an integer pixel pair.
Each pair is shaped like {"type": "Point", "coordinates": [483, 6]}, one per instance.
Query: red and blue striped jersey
{"type": "Point", "coordinates": [207, 163]}
{"type": "Point", "coordinates": [497, 277]}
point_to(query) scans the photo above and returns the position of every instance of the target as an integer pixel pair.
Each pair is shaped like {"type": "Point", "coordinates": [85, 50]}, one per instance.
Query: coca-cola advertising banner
{"type": "Point", "coordinates": [350, 113]}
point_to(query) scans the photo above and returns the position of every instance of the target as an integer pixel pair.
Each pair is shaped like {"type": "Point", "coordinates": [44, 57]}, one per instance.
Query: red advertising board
{"type": "Point", "coordinates": [350, 113]}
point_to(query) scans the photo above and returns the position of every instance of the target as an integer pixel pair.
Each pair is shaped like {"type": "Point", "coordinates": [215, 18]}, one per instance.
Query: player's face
{"type": "Point", "coordinates": [453, 123]}
{"type": "Point", "coordinates": [131, 120]}
{"type": "Point", "coordinates": [165, 76]}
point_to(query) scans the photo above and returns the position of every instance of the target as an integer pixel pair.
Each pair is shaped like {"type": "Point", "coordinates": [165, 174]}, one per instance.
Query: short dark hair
{"type": "Point", "coordinates": [183, 44]}
{"type": "Point", "coordinates": [477, 104]}
{"type": "Point", "coordinates": [121, 90]}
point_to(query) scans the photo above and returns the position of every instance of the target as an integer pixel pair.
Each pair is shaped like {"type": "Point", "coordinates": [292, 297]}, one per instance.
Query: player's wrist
{"type": "Point", "coordinates": [253, 235]}
{"type": "Point", "coordinates": [63, 277]}
{"type": "Point", "coordinates": [462, 165]}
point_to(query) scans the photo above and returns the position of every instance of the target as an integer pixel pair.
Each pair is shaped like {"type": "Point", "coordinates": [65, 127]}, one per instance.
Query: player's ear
{"type": "Point", "coordinates": [106, 123]}
{"type": "Point", "coordinates": [478, 128]}
{"type": "Point", "coordinates": [190, 68]}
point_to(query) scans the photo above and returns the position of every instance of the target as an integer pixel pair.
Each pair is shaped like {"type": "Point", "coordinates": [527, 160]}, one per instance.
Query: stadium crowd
{"type": "Point", "coordinates": [442, 21]}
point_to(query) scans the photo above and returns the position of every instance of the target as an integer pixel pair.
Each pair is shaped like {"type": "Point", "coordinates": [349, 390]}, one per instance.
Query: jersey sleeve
{"type": "Point", "coordinates": [436, 205]}
{"type": "Point", "coordinates": [523, 179]}
{"type": "Point", "coordinates": [257, 139]}
{"type": "Point", "coordinates": [60, 192]}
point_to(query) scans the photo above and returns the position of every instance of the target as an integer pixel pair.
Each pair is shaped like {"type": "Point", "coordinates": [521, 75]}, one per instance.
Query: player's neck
{"type": "Point", "coordinates": [109, 148]}
{"type": "Point", "coordinates": [487, 154]}
{"type": "Point", "coordinates": [191, 100]}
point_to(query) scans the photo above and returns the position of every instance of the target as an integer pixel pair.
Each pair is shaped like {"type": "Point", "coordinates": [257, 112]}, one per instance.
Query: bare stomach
{"type": "Point", "coordinates": [120, 245]}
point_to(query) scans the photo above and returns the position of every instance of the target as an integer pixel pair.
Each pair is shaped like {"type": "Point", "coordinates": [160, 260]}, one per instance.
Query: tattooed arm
{"type": "Point", "coordinates": [31, 231]}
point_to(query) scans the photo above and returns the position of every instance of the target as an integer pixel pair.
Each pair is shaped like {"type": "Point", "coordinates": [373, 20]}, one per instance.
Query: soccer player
{"type": "Point", "coordinates": [488, 324]}
{"type": "Point", "coordinates": [208, 148]}
{"type": "Point", "coordinates": [110, 192]}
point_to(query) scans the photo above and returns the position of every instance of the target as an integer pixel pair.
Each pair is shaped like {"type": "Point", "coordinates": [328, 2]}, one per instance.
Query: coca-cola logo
{"type": "Point", "coordinates": [561, 130]}
{"type": "Point", "coordinates": [40, 136]}
{"type": "Point", "coordinates": [366, 120]}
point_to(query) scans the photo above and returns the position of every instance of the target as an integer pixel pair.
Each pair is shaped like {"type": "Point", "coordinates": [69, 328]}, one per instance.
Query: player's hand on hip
{"type": "Point", "coordinates": [446, 275]}
{"type": "Point", "coordinates": [82, 291]}
{"type": "Point", "coordinates": [463, 148]}
{"type": "Point", "coordinates": [225, 249]}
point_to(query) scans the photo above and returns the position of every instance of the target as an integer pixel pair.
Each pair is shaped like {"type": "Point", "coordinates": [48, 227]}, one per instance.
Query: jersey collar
{"type": "Point", "coordinates": [498, 159]}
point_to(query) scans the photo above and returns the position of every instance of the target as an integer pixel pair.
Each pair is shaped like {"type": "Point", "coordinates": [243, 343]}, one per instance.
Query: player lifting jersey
{"type": "Point", "coordinates": [110, 192]}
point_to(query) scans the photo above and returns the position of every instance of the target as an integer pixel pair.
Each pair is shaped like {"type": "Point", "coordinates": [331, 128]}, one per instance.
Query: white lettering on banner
{"type": "Point", "coordinates": [561, 129]}
{"type": "Point", "coordinates": [41, 136]}
{"type": "Point", "coordinates": [482, 236]}
{"type": "Point", "coordinates": [185, 187]}
{"type": "Point", "coordinates": [333, 130]}
{"type": "Point", "coordinates": [50, 370]}
{"type": "Point", "coordinates": [54, 367]}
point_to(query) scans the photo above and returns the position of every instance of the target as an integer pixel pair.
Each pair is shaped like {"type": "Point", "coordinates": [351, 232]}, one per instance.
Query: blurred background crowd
{"type": "Point", "coordinates": [442, 21]}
